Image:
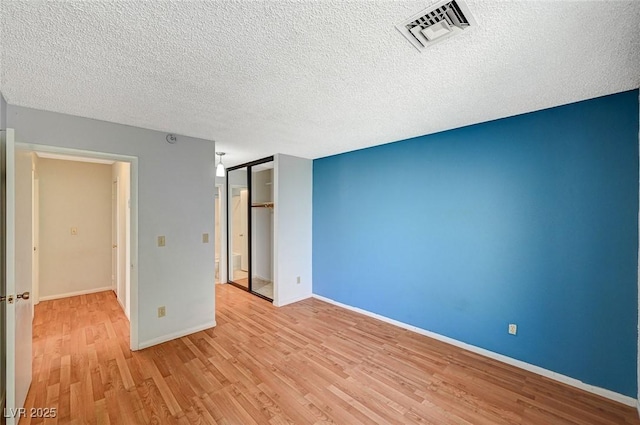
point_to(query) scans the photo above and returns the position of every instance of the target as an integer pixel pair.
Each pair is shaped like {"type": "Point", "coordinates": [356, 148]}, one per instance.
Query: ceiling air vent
{"type": "Point", "coordinates": [436, 23]}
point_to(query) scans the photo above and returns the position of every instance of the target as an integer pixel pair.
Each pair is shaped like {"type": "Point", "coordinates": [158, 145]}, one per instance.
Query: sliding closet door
{"type": "Point", "coordinates": [262, 229]}
{"type": "Point", "coordinates": [238, 231]}
{"type": "Point", "coordinates": [250, 226]}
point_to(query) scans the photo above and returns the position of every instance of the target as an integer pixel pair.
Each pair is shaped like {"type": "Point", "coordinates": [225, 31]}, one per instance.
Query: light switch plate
{"type": "Point", "coordinates": [205, 238]}
{"type": "Point", "coordinates": [161, 241]}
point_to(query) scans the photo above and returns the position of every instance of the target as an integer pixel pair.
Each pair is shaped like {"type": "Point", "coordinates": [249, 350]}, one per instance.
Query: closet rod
{"type": "Point", "coordinates": [263, 205]}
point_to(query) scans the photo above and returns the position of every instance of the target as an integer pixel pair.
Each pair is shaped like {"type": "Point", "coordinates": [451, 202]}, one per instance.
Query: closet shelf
{"type": "Point", "coordinates": [263, 205]}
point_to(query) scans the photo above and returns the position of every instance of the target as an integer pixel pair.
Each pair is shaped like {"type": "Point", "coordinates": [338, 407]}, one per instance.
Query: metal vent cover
{"type": "Point", "coordinates": [436, 23]}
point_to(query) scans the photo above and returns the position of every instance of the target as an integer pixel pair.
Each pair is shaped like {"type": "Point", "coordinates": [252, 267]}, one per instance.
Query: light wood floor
{"type": "Point", "coordinates": [307, 363]}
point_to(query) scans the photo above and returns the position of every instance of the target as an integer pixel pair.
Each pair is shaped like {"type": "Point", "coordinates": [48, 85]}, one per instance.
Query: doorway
{"type": "Point", "coordinates": [19, 187]}
{"type": "Point", "coordinates": [81, 245]}
{"type": "Point", "coordinates": [217, 235]}
{"type": "Point", "coordinates": [119, 210]}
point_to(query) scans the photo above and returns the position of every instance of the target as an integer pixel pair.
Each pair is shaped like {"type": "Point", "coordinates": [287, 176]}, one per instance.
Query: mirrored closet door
{"type": "Point", "coordinates": [238, 231]}
{"type": "Point", "coordinates": [250, 226]}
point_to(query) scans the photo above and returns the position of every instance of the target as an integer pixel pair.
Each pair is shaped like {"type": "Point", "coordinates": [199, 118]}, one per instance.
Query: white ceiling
{"type": "Point", "coordinates": [309, 78]}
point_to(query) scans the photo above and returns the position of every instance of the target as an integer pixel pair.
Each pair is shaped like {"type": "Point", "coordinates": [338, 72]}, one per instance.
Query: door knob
{"type": "Point", "coordinates": [115, 246]}
{"type": "Point", "coordinates": [24, 296]}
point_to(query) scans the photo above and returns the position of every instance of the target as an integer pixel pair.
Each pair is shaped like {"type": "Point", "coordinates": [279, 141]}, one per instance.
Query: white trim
{"type": "Point", "coordinates": [266, 279]}
{"type": "Point", "coordinates": [222, 255]}
{"type": "Point", "coordinates": [612, 395]}
{"type": "Point", "coordinates": [76, 293]}
{"type": "Point", "coordinates": [638, 282]}
{"type": "Point", "coordinates": [176, 335]}
{"type": "Point", "coordinates": [50, 155]}
{"type": "Point", "coordinates": [293, 300]}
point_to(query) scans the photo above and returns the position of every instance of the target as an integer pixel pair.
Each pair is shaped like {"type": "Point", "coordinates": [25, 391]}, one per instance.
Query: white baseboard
{"type": "Point", "coordinates": [266, 279]}
{"type": "Point", "coordinates": [76, 293]}
{"type": "Point", "coordinates": [175, 335]}
{"type": "Point", "coordinates": [612, 395]}
{"type": "Point", "coordinates": [291, 300]}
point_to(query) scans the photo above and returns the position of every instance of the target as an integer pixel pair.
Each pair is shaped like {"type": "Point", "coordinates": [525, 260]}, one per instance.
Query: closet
{"type": "Point", "coordinates": [269, 228]}
{"type": "Point", "coordinates": [251, 226]}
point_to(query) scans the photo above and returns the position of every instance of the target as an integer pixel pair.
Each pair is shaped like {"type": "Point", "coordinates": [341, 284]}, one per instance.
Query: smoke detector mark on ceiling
{"type": "Point", "coordinates": [436, 23]}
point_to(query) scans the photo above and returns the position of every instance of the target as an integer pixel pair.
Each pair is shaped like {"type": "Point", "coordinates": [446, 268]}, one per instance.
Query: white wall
{"type": "Point", "coordinates": [175, 192]}
{"type": "Point", "coordinates": [293, 186]}
{"type": "Point", "coordinates": [221, 237]}
{"type": "Point", "coordinates": [237, 230]}
{"type": "Point", "coordinates": [3, 112]}
{"type": "Point", "coordinates": [262, 186]}
{"type": "Point", "coordinates": [262, 225]}
{"type": "Point", "coordinates": [237, 180]}
{"type": "Point", "coordinates": [74, 195]}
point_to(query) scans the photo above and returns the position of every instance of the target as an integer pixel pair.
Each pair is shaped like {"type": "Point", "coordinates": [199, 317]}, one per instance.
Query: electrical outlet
{"type": "Point", "coordinates": [161, 241]}
{"type": "Point", "coordinates": [513, 328]}
{"type": "Point", "coordinates": [162, 311]}
{"type": "Point", "coordinates": [298, 280]}
{"type": "Point", "coordinates": [205, 238]}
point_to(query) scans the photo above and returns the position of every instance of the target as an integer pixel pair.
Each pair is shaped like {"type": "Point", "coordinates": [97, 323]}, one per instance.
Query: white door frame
{"type": "Point", "coordinates": [35, 194]}
{"type": "Point", "coordinates": [115, 239]}
{"type": "Point", "coordinates": [133, 160]}
{"type": "Point", "coordinates": [222, 233]}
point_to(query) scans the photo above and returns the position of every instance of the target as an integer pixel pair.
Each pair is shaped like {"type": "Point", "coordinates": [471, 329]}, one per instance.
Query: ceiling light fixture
{"type": "Point", "coordinates": [220, 167]}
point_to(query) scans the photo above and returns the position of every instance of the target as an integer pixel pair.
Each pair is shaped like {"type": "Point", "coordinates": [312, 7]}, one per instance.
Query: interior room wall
{"type": "Point", "coordinates": [221, 236]}
{"type": "Point", "coordinates": [237, 180]}
{"type": "Point", "coordinates": [218, 245]}
{"type": "Point", "coordinates": [3, 112]}
{"type": "Point", "coordinates": [237, 230]}
{"type": "Point", "coordinates": [531, 220]}
{"type": "Point", "coordinates": [74, 195]}
{"type": "Point", "coordinates": [175, 184]}
{"type": "Point", "coordinates": [262, 225]}
{"type": "Point", "coordinates": [292, 194]}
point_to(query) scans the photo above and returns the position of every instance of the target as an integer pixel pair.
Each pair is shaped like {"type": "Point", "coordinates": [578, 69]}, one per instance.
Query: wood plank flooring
{"type": "Point", "coordinates": [307, 363]}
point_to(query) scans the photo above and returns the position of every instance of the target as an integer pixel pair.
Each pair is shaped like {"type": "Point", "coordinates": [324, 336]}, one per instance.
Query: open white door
{"type": "Point", "coordinates": [117, 244]}
{"type": "Point", "coordinates": [35, 219]}
{"type": "Point", "coordinates": [18, 271]}
{"type": "Point", "coordinates": [114, 239]}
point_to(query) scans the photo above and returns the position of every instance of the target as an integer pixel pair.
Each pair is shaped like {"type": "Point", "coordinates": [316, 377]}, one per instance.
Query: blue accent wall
{"type": "Point", "coordinates": [531, 219]}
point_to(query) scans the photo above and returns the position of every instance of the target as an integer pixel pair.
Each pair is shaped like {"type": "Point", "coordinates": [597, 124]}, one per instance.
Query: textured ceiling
{"type": "Point", "coordinates": [309, 78]}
